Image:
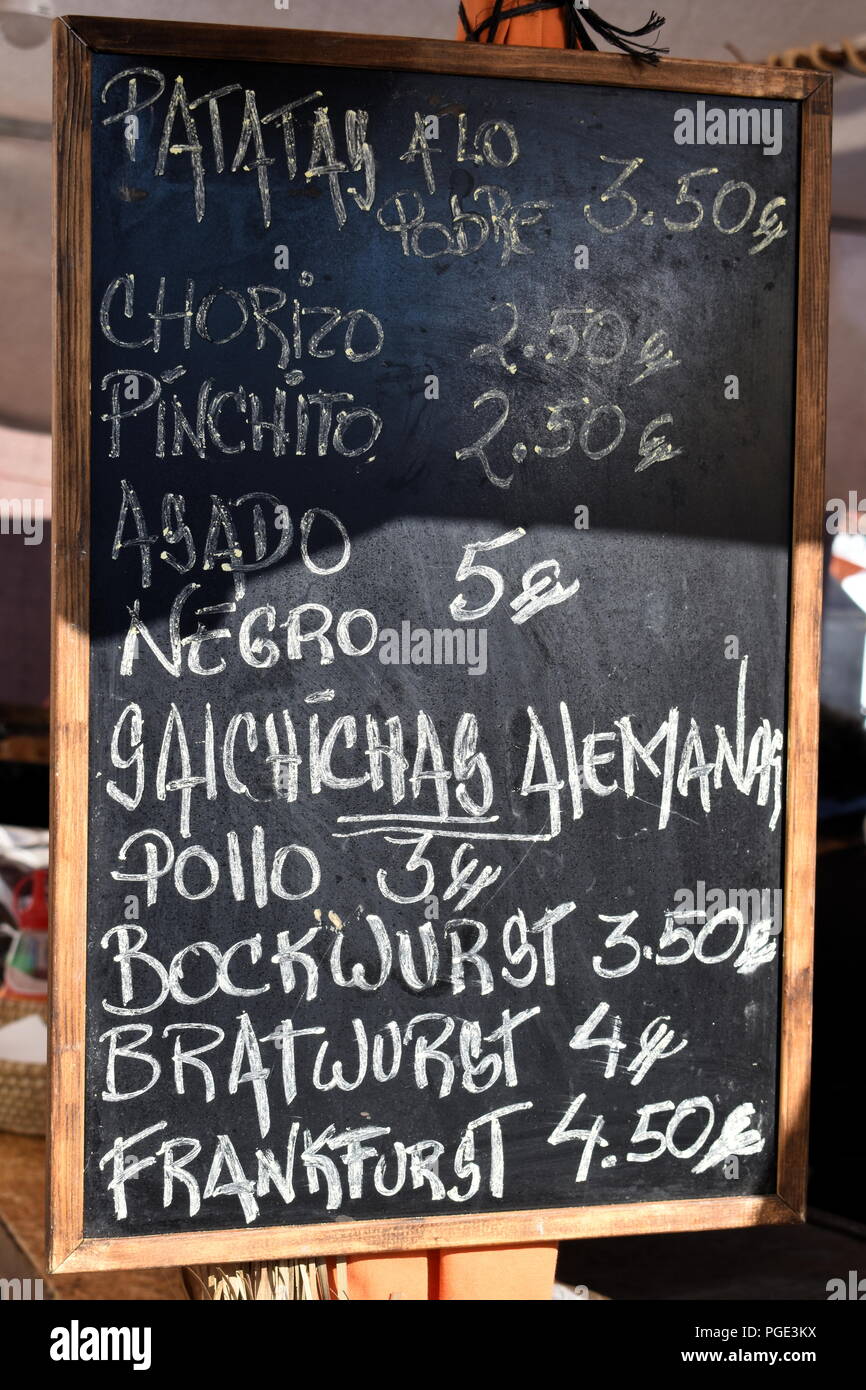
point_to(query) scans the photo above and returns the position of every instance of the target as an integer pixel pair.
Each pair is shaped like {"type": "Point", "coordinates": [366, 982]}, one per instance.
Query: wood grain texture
{"type": "Point", "coordinates": [246, 44]}
{"type": "Point", "coordinates": [805, 645]}
{"type": "Point", "coordinates": [428, 1233]}
{"type": "Point", "coordinates": [69, 637]}
{"type": "Point", "coordinates": [68, 1250]}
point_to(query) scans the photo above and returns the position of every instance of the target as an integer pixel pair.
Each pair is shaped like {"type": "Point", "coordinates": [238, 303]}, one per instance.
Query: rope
{"type": "Point", "coordinates": [847, 56]}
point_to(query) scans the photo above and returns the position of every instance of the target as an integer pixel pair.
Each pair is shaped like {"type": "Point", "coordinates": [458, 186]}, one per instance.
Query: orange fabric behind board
{"type": "Point", "coordinates": [543, 30]}
{"type": "Point", "coordinates": [522, 1273]}
{"type": "Point", "coordinates": [515, 1272]}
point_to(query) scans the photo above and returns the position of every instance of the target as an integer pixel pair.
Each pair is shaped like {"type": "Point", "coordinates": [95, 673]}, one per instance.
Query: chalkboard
{"type": "Point", "coordinates": [438, 545]}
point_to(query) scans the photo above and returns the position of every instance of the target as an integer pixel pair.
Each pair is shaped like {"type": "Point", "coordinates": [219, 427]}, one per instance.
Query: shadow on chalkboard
{"type": "Point", "coordinates": [396, 545]}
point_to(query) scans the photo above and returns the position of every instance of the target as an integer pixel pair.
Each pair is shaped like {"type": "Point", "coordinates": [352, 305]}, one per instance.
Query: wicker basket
{"type": "Point", "coordinates": [23, 1085]}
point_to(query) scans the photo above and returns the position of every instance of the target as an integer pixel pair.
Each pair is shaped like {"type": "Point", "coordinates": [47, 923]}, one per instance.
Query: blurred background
{"type": "Point", "coordinates": [770, 1264]}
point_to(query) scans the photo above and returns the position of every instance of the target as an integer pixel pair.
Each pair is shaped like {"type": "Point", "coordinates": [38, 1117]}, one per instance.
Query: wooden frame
{"type": "Point", "coordinates": [75, 39]}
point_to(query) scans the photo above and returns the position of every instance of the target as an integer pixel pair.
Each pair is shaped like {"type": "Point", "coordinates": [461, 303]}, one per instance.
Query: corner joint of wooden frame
{"type": "Point", "coordinates": [61, 1256]}
{"type": "Point", "coordinates": [792, 1215]}
{"type": "Point", "coordinates": [65, 27]}
{"type": "Point", "coordinates": [820, 94]}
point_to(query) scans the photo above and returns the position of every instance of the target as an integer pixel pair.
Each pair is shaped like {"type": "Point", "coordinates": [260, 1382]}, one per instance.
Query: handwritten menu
{"type": "Point", "coordinates": [441, 491]}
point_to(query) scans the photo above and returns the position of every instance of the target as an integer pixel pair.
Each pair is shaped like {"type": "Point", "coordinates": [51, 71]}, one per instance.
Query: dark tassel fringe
{"type": "Point", "coordinates": [576, 21]}
{"type": "Point", "coordinates": [616, 36]}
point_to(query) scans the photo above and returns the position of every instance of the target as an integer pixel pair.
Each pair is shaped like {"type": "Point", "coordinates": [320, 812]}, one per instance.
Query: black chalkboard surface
{"type": "Point", "coordinates": [444, 434]}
